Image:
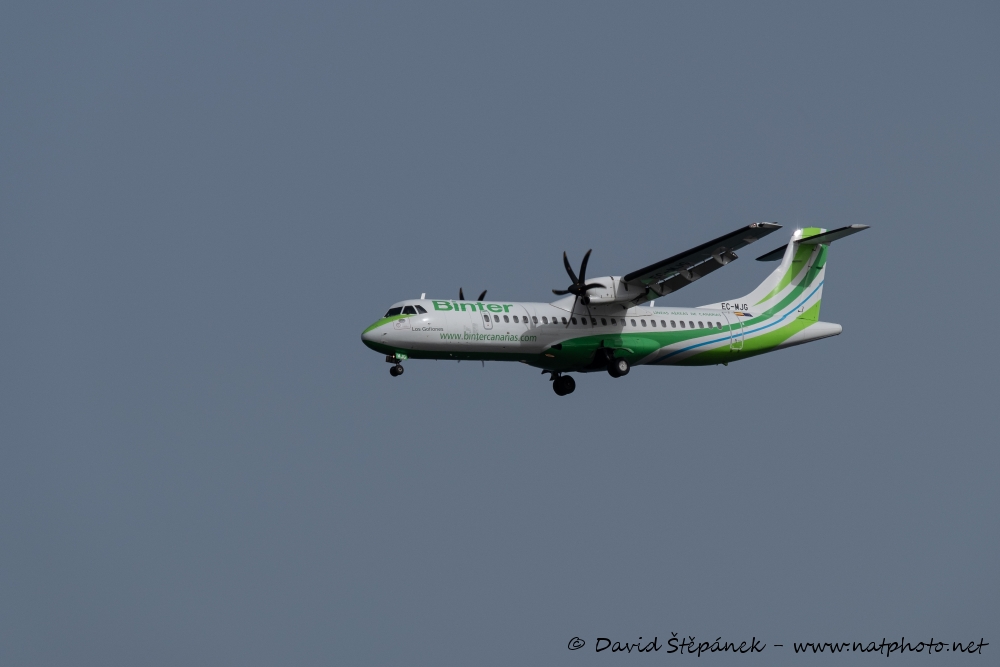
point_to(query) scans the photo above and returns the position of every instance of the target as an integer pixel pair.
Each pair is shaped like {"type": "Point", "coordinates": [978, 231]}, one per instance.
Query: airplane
{"type": "Point", "coordinates": [603, 324]}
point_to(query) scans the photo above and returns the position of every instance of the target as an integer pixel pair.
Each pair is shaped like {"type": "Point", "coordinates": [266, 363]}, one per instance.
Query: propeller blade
{"type": "Point", "coordinates": [560, 292]}
{"type": "Point", "coordinates": [572, 311]}
{"type": "Point", "coordinates": [583, 267]}
{"type": "Point", "coordinates": [482, 296]}
{"type": "Point", "coordinates": [461, 296]}
{"type": "Point", "coordinates": [569, 269]}
{"type": "Point", "coordinates": [593, 285]}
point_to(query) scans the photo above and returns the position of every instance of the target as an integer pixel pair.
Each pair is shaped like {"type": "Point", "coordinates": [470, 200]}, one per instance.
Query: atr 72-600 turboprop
{"type": "Point", "coordinates": [602, 324]}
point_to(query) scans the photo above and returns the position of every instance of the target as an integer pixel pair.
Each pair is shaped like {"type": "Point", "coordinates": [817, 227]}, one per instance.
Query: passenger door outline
{"type": "Point", "coordinates": [736, 334]}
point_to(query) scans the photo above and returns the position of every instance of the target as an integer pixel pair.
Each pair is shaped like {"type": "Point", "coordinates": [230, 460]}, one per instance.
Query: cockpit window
{"type": "Point", "coordinates": [420, 309]}
{"type": "Point", "coordinates": [409, 310]}
{"type": "Point", "coordinates": [394, 311]}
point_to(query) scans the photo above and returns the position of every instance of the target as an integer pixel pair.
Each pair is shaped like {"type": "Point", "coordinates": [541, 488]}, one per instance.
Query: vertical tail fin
{"type": "Point", "coordinates": [796, 283]}
{"type": "Point", "coordinates": [799, 278]}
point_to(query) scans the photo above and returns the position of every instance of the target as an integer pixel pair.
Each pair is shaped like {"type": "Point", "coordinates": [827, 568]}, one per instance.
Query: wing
{"type": "Point", "coordinates": [673, 273]}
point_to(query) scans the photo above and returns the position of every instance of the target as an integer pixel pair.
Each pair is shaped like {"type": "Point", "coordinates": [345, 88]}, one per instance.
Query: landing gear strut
{"type": "Point", "coordinates": [618, 368]}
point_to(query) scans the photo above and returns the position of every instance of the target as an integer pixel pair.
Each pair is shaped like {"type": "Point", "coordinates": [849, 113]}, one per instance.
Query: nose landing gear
{"type": "Point", "coordinates": [397, 368]}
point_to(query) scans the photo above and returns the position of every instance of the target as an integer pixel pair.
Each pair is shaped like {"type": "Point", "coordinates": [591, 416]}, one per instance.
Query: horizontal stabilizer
{"type": "Point", "coordinates": [825, 237]}
{"type": "Point", "coordinates": [773, 256]}
{"type": "Point", "coordinates": [833, 235]}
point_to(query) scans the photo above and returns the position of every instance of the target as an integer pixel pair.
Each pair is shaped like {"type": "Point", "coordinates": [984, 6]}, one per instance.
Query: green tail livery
{"type": "Point", "coordinates": [613, 323]}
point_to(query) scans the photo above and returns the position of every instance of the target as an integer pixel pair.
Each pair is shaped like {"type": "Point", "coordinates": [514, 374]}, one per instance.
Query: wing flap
{"type": "Point", "coordinates": [680, 280]}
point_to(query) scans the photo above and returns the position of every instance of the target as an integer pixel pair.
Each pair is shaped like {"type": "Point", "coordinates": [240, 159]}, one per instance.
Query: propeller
{"type": "Point", "coordinates": [579, 286]}
{"type": "Point", "coordinates": [461, 295]}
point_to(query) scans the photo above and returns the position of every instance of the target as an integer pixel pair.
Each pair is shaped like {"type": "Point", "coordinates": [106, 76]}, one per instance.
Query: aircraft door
{"type": "Point", "coordinates": [486, 318]}
{"type": "Point", "coordinates": [735, 332]}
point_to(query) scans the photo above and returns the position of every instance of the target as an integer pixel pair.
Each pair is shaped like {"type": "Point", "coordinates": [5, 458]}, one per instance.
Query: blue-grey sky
{"type": "Point", "coordinates": [202, 206]}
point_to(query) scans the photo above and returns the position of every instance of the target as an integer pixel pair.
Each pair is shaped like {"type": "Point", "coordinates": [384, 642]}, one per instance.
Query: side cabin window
{"type": "Point", "coordinates": [701, 325]}
{"type": "Point", "coordinates": [691, 324]}
{"type": "Point", "coordinates": [653, 322]}
{"type": "Point", "coordinates": [633, 322]}
{"type": "Point", "coordinates": [673, 324]}
{"type": "Point", "coordinates": [486, 318]}
{"type": "Point", "coordinates": [534, 318]}
{"type": "Point", "coordinates": [394, 311]}
{"type": "Point", "coordinates": [515, 319]}
{"type": "Point", "coordinates": [506, 319]}
{"type": "Point", "coordinates": [573, 320]}
{"type": "Point", "coordinates": [643, 322]}
{"type": "Point", "coordinates": [613, 321]}
{"type": "Point", "coordinates": [604, 322]}
{"type": "Point", "coordinates": [564, 320]}
{"type": "Point", "coordinates": [682, 324]}
{"type": "Point", "coordinates": [496, 318]}
{"type": "Point", "coordinates": [718, 325]}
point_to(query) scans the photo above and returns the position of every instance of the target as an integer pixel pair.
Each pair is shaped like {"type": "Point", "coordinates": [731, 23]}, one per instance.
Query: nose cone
{"type": "Point", "coordinates": [373, 335]}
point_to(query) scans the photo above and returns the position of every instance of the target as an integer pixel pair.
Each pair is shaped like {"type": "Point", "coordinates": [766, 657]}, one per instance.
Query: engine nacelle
{"type": "Point", "coordinates": [615, 290]}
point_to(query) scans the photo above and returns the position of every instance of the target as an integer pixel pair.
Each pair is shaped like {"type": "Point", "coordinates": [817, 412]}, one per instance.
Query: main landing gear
{"type": "Point", "coordinates": [618, 367]}
{"type": "Point", "coordinates": [563, 384]}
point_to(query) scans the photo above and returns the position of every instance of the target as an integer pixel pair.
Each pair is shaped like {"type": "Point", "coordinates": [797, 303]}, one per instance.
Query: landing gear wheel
{"type": "Point", "coordinates": [396, 371]}
{"type": "Point", "coordinates": [563, 385]}
{"type": "Point", "coordinates": [618, 368]}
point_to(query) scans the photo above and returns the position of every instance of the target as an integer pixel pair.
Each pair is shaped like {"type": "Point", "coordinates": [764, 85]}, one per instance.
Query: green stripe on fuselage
{"type": "Point", "coordinates": [754, 345]}
{"type": "Point", "coordinates": [577, 353]}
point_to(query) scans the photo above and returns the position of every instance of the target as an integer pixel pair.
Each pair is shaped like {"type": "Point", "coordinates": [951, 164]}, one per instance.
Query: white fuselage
{"type": "Point", "coordinates": [532, 327]}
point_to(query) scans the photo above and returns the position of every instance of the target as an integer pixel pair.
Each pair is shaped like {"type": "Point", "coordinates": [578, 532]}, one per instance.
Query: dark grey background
{"type": "Point", "coordinates": [203, 205]}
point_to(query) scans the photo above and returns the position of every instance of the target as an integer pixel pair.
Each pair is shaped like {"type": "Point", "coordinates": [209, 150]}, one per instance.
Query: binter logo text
{"type": "Point", "coordinates": [463, 306]}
